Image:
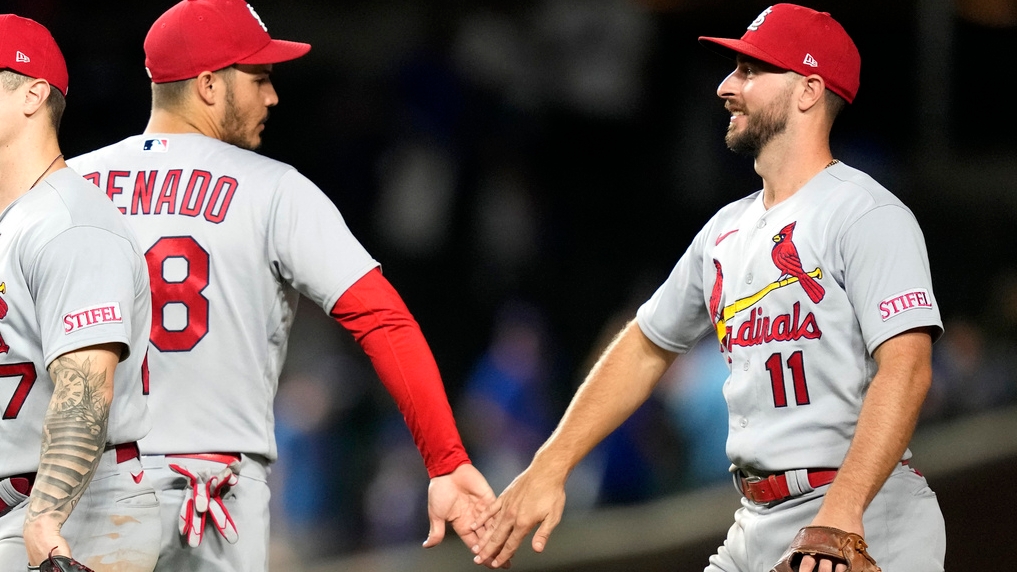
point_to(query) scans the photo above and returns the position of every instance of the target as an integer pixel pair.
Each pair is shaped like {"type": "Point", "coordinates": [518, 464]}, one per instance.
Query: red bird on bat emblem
{"type": "Point", "coordinates": [785, 256]}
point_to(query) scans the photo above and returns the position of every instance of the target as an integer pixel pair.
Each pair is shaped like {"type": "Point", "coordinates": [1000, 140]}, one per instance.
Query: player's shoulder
{"type": "Point", "coordinates": [94, 159]}
{"type": "Point", "coordinates": [735, 209]}
{"type": "Point", "coordinates": [83, 201]}
{"type": "Point", "coordinates": [856, 186]}
{"type": "Point", "coordinates": [64, 200]}
{"type": "Point", "coordinates": [182, 148]}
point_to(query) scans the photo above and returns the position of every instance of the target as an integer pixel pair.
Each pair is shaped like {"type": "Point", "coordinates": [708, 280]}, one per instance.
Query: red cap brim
{"type": "Point", "coordinates": [277, 51]}
{"type": "Point", "coordinates": [728, 47]}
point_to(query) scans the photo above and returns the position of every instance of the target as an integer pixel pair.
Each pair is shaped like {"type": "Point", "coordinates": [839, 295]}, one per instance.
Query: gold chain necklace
{"type": "Point", "coordinates": [832, 163]}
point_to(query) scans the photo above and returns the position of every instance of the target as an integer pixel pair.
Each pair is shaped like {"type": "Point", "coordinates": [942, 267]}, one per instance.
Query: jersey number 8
{"type": "Point", "coordinates": [178, 288]}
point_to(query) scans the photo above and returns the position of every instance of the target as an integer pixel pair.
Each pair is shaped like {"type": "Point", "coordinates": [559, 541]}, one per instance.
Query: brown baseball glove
{"type": "Point", "coordinates": [831, 542]}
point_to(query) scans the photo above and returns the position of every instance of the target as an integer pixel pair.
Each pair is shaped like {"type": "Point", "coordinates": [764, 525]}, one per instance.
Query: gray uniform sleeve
{"type": "Point", "coordinates": [887, 275]}
{"type": "Point", "coordinates": [676, 317]}
{"type": "Point", "coordinates": [83, 285]}
{"type": "Point", "coordinates": [311, 245]}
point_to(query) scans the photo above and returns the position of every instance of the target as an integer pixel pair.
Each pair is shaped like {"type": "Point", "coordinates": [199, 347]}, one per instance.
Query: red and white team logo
{"type": "Point", "coordinates": [106, 313]}
{"type": "Point", "coordinates": [257, 17]}
{"type": "Point", "coordinates": [759, 327]}
{"type": "Point", "coordinates": [3, 304]}
{"type": "Point", "coordinates": [4, 348]}
{"type": "Point", "coordinates": [760, 19]}
{"type": "Point", "coordinates": [785, 256]}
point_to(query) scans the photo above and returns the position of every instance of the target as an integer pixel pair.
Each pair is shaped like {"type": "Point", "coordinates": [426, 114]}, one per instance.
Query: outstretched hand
{"type": "Point", "coordinates": [458, 497]}
{"type": "Point", "coordinates": [530, 499]}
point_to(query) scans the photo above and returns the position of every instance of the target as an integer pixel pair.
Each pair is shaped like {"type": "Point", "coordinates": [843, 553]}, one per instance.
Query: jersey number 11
{"type": "Point", "coordinates": [795, 363]}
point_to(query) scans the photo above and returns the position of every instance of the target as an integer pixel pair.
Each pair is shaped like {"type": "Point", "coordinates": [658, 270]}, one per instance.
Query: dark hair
{"type": "Point", "coordinates": [56, 103]}
{"type": "Point", "coordinates": [172, 94]}
{"type": "Point", "coordinates": [834, 104]}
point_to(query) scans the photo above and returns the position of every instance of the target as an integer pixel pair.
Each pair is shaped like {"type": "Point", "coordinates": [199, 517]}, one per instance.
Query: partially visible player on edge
{"type": "Point", "coordinates": [819, 292]}
{"type": "Point", "coordinates": [232, 239]}
{"type": "Point", "coordinates": [74, 303]}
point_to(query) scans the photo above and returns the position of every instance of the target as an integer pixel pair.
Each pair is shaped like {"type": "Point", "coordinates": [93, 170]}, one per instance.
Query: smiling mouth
{"type": "Point", "coordinates": [735, 112]}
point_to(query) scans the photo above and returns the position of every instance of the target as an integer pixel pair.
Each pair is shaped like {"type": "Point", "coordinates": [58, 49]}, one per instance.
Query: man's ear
{"type": "Point", "coordinates": [813, 92]}
{"type": "Point", "coordinates": [36, 95]}
{"type": "Point", "coordinates": [210, 87]}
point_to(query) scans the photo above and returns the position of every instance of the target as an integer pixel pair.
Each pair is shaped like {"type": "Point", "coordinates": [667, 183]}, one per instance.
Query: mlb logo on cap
{"type": "Point", "coordinates": [156, 145]}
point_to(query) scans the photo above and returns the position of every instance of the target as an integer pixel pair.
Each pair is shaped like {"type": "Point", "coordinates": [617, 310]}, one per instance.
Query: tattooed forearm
{"type": "Point", "coordinates": [74, 433]}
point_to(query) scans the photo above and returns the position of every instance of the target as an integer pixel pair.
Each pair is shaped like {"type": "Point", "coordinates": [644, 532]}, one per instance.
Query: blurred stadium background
{"type": "Point", "coordinates": [527, 172]}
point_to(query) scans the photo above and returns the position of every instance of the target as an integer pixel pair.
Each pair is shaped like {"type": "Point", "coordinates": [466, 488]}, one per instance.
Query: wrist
{"type": "Point", "coordinates": [552, 464]}
{"type": "Point", "coordinates": [848, 520]}
{"type": "Point", "coordinates": [41, 527]}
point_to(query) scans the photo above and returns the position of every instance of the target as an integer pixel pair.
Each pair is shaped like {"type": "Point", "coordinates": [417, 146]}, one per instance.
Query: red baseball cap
{"type": "Point", "coordinates": [802, 40]}
{"type": "Point", "coordinates": [208, 35]}
{"type": "Point", "coordinates": [28, 48]}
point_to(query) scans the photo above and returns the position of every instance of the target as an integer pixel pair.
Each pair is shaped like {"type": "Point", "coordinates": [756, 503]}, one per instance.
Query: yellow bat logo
{"type": "Point", "coordinates": [750, 301]}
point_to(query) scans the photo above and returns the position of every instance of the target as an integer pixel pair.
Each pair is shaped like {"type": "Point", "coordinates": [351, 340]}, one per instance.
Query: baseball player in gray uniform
{"type": "Point", "coordinates": [74, 303]}
{"type": "Point", "coordinates": [817, 290]}
{"type": "Point", "coordinates": [232, 239]}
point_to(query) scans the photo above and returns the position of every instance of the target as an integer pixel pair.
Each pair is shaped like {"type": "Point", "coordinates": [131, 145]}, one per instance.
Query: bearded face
{"type": "Point", "coordinates": [761, 126]}
{"type": "Point", "coordinates": [236, 125]}
{"type": "Point", "coordinates": [248, 95]}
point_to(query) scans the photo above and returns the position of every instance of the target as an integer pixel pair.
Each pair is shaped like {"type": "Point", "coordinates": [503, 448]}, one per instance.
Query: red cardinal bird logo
{"type": "Point", "coordinates": [4, 348]}
{"type": "Point", "coordinates": [718, 288]}
{"type": "Point", "coordinates": [785, 256]}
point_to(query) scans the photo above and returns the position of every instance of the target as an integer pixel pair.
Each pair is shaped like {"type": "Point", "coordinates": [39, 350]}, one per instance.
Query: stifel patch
{"type": "Point", "coordinates": [904, 301]}
{"type": "Point", "coordinates": [106, 313]}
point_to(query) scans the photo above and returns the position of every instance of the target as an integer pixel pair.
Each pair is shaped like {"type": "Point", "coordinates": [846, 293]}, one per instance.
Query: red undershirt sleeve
{"type": "Point", "coordinates": [381, 323]}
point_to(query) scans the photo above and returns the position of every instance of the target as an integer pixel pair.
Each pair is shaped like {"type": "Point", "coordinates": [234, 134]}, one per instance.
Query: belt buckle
{"type": "Point", "coordinates": [748, 492]}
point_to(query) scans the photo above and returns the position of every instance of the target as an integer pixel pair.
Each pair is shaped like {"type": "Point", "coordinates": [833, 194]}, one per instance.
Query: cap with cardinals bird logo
{"type": "Point", "coordinates": [801, 40]}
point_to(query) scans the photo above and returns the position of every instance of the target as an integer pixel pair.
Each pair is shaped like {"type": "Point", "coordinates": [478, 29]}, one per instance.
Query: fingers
{"type": "Point", "coordinates": [436, 533]}
{"type": "Point", "coordinates": [464, 530]}
{"type": "Point", "coordinates": [455, 499]}
{"type": "Point", "coordinates": [810, 564]}
{"type": "Point", "coordinates": [543, 533]}
{"type": "Point", "coordinates": [499, 551]}
{"type": "Point", "coordinates": [486, 513]}
{"type": "Point", "coordinates": [501, 541]}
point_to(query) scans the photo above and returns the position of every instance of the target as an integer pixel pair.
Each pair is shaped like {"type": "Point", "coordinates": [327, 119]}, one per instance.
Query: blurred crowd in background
{"type": "Point", "coordinates": [527, 172]}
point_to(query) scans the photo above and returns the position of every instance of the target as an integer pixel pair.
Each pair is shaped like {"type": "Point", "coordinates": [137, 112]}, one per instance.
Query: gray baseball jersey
{"type": "Point", "coordinates": [71, 276]}
{"type": "Point", "coordinates": [798, 296]}
{"type": "Point", "coordinates": [231, 238]}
